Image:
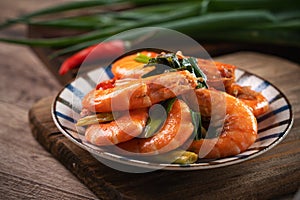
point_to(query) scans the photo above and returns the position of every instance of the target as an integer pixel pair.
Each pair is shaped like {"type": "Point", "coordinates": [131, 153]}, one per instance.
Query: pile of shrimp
{"type": "Point", "coordinates": [129, 97]}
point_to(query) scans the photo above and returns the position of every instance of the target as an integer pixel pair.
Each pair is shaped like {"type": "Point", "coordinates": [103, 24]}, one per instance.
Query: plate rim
{"type": "Point", "coordinates": [173, 167]}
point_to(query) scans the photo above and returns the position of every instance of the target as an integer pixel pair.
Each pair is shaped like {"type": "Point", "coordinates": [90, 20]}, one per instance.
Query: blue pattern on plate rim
{"type": "Point", "coordinates": [272, 126]}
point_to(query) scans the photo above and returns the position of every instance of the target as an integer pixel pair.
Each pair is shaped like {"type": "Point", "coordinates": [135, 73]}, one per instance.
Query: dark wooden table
{"type": "Point", "coordinates": [27, 170]}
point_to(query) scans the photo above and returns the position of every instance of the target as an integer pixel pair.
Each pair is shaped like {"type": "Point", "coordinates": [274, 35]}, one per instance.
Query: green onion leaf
{"type": "Point", "coordinates": [142, 58]}
{"type": "Point", "coordinates": [196, 120]}
{"type": "Point", "coordinates": [95, 119]}
{"type": "Point", "coordinates": [197, 71]}
{"type": "Point", "coordinates": [157, 118]}
{"type": "Point", "coordinates": [176, 156]}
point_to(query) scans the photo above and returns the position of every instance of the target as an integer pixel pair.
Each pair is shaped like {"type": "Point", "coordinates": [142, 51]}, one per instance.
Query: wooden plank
{"type": "Point", "coordinates": [24, 165]}
{"type": "Point", "coordinates": [275, 174]}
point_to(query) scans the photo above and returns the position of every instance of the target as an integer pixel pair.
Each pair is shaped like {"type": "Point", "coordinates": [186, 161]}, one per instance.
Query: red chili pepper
{"type": "Point", "coordinates": [106, 84]}
{"type": "Point", "coordinates": [102, 51]}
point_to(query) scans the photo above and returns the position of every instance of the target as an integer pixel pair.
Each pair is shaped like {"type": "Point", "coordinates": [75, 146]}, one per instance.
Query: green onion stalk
{"type": "Point", "coordinates": [252, 21]}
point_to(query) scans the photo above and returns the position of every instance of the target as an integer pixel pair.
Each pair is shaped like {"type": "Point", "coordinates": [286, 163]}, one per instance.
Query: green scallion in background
{"type": "Point", "coordinates": [273, 22]}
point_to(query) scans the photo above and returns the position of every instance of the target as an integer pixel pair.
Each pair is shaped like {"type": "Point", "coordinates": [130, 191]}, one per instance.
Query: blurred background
{"type": "Point", "coordinates": [62, 28]}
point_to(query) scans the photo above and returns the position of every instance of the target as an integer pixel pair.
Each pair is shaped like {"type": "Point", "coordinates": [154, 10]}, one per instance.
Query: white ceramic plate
{"type": "Point", "coordinates": [272, 126]}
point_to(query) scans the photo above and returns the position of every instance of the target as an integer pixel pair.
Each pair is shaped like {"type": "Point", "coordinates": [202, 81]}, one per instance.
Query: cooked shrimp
{"type": "Point", "coordinates": [122, 129]}
{"type": "Point", "coordinates": [175, 132]}
{"type": "Point", "coordinates": [257, 103]}
{"type": "Point", "coordinates": [140, 93]}
{"type": "Point", "coordinates": [219, 75]}
{"type": "Point", "coordinates": [238, 129]}
{"type": "Point", "coordinates": [127, 67]}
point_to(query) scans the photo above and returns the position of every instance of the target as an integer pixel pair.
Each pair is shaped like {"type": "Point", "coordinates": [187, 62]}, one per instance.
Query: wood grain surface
{"type": "Point", "coordinates": [27, 171]}
{"type": "Point", "coordinates": [24, 163]}
{"type": "Point", "coordinates": [275, 174]}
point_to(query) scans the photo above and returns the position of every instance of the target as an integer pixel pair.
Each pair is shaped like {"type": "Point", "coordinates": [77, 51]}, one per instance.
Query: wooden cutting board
{"type": "Point", "coordinates": [274, 174]}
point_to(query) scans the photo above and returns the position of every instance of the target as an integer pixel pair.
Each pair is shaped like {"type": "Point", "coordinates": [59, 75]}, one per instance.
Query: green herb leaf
{"type": "Point", "coordinates": [197, 71]}
{"type": "Point", "coordinates": [142, 58]}
{"type": "Point", "coordinates": [176, 156]}
{"type": "Point", "coordinates": [164, 62]}
{"type": "Point", "coordinates": [157, 118]}
{"type": "Point", "coordinates": [95, 119]}
{"type": "Point", "coordinates": [196, 120]}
